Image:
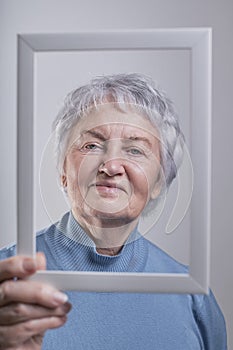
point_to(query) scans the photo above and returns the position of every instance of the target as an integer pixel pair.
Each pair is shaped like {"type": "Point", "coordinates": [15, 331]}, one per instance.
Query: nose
{"type": "Point", "coordinates": [112, 167]}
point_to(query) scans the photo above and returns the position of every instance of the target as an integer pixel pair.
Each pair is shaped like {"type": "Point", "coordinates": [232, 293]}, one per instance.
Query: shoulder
{"type": "Point", "coordinates": [161, 262]}
{"type": "Point", "coordinates": [41, 238]}
{"type": "Point", "coordinates": [8, 251]}
{"type": "Point", "coordinates": [205, 306]}
{"type": "Point", "coordinates": [210, 321]}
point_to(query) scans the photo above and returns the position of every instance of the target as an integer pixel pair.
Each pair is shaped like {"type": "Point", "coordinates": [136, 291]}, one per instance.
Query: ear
{"type": "Point", "coordinates": [156, 191]}
{"type": "Point", "coordinates": [157, 187]}
{"type": "Point", "coordinates": [63, 177]}
{"type": "Point", "coordinates": [64, 180]}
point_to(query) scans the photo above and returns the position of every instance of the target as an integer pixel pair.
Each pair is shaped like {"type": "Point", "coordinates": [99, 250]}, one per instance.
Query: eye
{"type": "Point", "coordinates": [135, 151]}
{"type": "Point", "coordinates": [91, 147]}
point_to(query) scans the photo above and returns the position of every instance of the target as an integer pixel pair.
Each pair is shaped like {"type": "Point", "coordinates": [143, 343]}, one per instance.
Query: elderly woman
{"type": "Point", "coordinates": [118, 146]}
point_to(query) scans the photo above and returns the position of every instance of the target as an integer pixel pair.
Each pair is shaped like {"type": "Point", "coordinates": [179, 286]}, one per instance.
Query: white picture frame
{"type": "Point", "coordinates": [198, 41]}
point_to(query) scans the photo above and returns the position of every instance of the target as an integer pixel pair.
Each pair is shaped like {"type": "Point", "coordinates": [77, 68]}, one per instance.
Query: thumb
{"type": "Point", "coordinates": [40, 261]}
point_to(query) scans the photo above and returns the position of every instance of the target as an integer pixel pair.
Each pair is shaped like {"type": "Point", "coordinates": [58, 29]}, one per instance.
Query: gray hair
{"type": "Point", "coordinates": [140, 92]}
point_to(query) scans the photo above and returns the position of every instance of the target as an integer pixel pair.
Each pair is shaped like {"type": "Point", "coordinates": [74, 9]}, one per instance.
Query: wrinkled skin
{"type": "Point", "coordinates": [27, 308]}
{"type": "Point", "coordinates": [111, 171]}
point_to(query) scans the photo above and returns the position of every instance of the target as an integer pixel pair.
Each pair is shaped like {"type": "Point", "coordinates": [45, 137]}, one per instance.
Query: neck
{"type": "Point", "coordinates": [109, 236]}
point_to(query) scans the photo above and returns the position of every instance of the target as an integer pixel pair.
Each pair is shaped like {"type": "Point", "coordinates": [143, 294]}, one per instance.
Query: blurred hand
{"type": "Point", "coordinates": [27, 308]}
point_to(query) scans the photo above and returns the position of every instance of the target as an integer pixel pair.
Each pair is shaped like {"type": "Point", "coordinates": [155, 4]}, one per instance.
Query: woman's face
{"type": "Point", "coordinates": [112, 166]}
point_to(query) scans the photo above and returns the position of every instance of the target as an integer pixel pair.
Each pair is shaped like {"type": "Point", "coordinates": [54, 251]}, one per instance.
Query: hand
{"type": "Point", "coordinates": [27, 308]}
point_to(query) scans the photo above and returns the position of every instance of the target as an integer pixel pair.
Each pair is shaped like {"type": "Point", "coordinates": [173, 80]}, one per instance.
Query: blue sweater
{"type": "Point", "coordinates": [125, 321]}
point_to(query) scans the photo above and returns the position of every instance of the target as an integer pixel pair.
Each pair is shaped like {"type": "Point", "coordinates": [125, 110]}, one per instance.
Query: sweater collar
{"type": "Point", "coordinates": [76, 250]}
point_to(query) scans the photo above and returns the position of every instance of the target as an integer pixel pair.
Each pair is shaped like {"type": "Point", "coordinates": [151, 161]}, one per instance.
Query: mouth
{"type": "Point", "coordinates": [108, 184]}
{"type": "Point", "coordinates": [108, 188]}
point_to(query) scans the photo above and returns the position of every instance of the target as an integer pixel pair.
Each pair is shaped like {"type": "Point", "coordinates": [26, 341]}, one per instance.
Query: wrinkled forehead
{"type": "Point", "coordinates": [114, 122]}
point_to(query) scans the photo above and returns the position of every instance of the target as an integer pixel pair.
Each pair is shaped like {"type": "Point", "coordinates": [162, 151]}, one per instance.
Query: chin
{"type": "Point", "coordinates": [114, 219]}
{"type": "Point", "coordinates": [109, 213]}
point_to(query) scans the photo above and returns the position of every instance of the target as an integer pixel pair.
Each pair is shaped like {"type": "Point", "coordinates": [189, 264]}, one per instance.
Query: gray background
{"type": "Point", "coordinates": [26, 16]}
{"type": "Point", "coordinates": [59, 72]}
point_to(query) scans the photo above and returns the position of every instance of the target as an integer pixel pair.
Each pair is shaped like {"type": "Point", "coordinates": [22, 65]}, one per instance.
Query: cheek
{"type": "Point", "coordinates": [87, 170]}
{"type": "Point", "coordinates": [74, 184]}
{"type": "Point", "coordinates": [139, 182]}
{"type": "Point", "coordinates": [71, 173]}
{"type": "Point", "coordinates": [71, 170]}
{"type": "Point", "coordinates": [143, 180]}
{"type": "Point", "coordinates": [80, 172]}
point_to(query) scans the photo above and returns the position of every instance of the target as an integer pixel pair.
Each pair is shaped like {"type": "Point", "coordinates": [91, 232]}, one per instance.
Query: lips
{"type": "Point", "coordinates": [109, 184]}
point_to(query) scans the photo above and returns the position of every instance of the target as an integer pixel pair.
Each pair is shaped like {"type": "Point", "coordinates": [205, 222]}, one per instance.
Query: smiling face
{"type": "Point", "coordinates": [112, 166]}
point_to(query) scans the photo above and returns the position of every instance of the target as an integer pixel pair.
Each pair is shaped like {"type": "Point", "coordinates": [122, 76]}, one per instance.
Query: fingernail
{"type": "Point", "coordinates": [60, 298]}
{"type": "Point", "coordinates": [66, 307]}
{"type": "Point", "coordinates": [29, 265]}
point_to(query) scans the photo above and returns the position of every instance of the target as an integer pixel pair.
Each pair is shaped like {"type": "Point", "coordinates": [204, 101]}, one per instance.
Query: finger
{"type": "Point", "coordinates": [40, 261]}
{"type": "Point", "coordinates": [16, 335]}
{"type": "Point", "coordinates": [35, 340]}
{"type": "Point", "coordinates": [31, 292]}
{"type": "Point", "coordinates": [21, 266]}
{"type": "Point", "coordinates": [18, 312]}
{"type": "Point", "coordinates": [17, 266]}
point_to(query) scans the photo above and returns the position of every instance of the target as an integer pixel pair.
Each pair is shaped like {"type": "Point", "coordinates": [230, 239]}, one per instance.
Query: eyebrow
{"type": "Point", "coordinates": [101, 137]}
{"type": "Point", "coordinates": [140, 138]}
{"type": "Point", "coordinates": [95, 134]}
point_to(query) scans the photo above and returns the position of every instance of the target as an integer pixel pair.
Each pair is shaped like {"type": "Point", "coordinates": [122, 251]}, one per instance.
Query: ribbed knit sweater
{"type": "Point", "coordinates": [126, 321]}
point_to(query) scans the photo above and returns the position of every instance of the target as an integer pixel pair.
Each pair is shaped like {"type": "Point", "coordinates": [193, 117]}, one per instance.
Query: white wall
{"type": "Point", "coordinates": [26, 16]}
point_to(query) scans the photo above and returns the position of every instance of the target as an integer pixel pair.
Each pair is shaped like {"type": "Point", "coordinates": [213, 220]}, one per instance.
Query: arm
{"type": "Point", "coordinates": [210, 322]}
{"type": "Point", "coordinates": [27, 308]}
